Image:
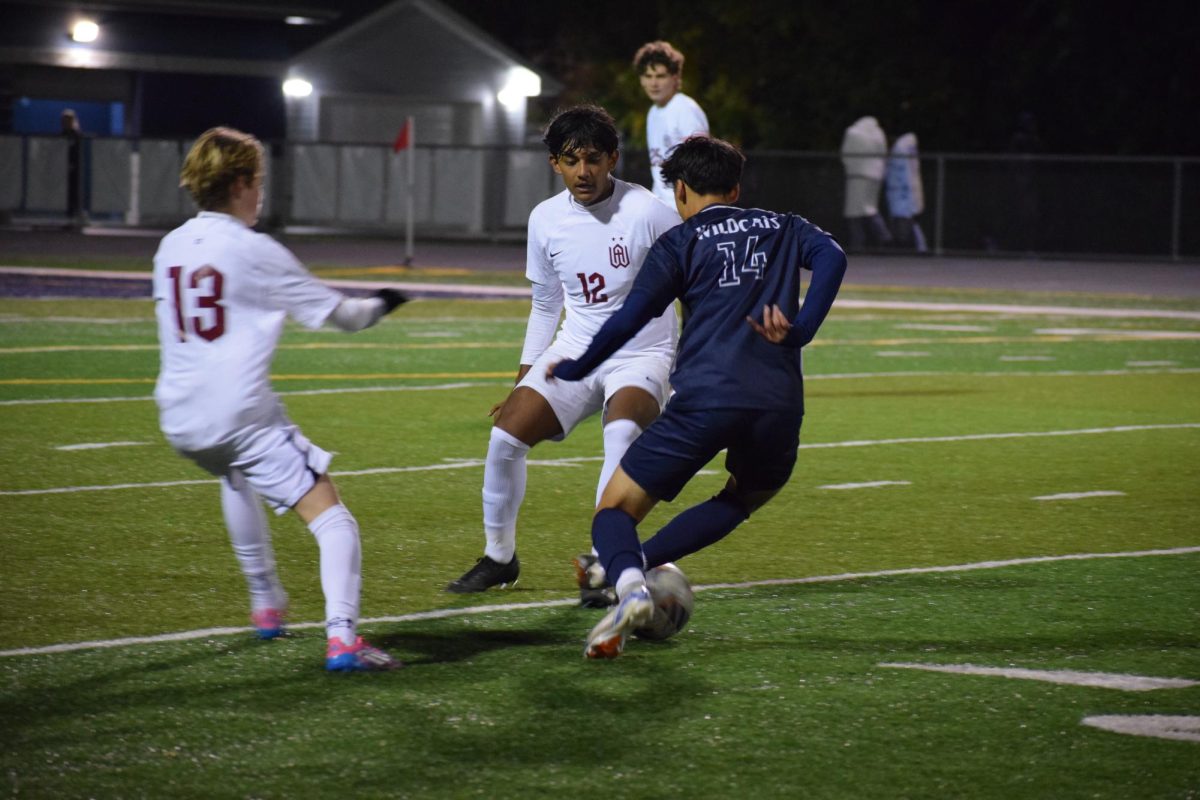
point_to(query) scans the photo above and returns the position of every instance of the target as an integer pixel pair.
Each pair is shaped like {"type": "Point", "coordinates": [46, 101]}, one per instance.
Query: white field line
{"type": "Point", "coordinates": [1102, 680]}
{"type": "Point", "coordinates": [38, 401]}
{"type": "Point", "coordinates": [1159, 726]}
{"type": "Point", "coordinates": [293, 393]}
{"type": "Point", "coordinates": [1079, 495]}
{"type": "Point", "coordinates": [469, 290]}
{"type": "Point", "coordinates": [573, 461]}
{"type": "Point", "coordinates": [865, 485]}
{"type": "Point", "coordinates": [99, 445]}
{"type": "Point", "coordinates": [445, 613]}
{"type": "Point", "coordinates": [992, 308]}
{"type": "Point", "coordinates": [930, 326]}
{"type": "Point", "coordinates": [1117, 333]}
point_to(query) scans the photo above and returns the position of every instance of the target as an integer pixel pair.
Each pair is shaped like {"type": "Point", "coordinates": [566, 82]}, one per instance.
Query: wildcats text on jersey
{"type": "Point", "coordinates": [737, 225]}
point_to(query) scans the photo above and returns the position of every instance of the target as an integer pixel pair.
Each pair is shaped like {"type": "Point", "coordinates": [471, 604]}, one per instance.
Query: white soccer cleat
{"type": "Point", "coordinates": [607, 639]}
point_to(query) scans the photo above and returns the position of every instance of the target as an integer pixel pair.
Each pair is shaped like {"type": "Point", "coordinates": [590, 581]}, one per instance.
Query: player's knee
{"type": "Point", "coordinates": [746, 503]}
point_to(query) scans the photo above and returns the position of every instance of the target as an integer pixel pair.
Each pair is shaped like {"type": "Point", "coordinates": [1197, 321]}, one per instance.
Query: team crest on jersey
{"type": "Point", "coordinates": [618, 254]}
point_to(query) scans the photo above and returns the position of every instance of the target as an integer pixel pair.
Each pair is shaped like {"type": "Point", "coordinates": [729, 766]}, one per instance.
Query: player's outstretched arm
{"type": "Point", "coordinates": [356, 313]}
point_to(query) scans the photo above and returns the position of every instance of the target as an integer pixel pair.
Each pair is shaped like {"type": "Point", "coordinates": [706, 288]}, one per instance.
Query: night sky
{"type": "Point", "coordinates": [1094, 77]}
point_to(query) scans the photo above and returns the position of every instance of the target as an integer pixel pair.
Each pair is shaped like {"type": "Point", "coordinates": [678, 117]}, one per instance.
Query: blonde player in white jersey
{"type": "Point", "coordinates": [586, 245]}
{"type": "Point", "coordinates": [673, 116]}
{"type": "Point", "coordinates": [222, 292]}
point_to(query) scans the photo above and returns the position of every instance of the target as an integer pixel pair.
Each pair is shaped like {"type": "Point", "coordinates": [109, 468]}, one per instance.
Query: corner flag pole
{"type": "Point", "coordinates": [410, 181]}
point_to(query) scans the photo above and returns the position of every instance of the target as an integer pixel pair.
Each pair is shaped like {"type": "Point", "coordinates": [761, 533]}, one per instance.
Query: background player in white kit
{"type": "Point", "coordinates": [221, 295]}
{"type": "Point", "coordinates": [586, 244]}
{"type": "Point", "coordinates": [673, 117]}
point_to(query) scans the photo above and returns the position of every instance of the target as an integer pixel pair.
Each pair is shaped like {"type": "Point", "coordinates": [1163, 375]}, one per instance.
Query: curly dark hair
{"type": "Point", "coordinates": [658, 52]}
{"type": "Point", "coordinates": [581, 126]}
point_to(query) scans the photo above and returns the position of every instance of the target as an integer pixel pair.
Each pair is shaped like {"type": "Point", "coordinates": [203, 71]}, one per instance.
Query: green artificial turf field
{"type": "Point", "coordinates": [949, 457]}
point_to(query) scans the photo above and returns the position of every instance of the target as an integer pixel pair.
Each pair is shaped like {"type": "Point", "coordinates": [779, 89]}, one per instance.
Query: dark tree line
{"type": "Point", "coordinates": [1097, 77]}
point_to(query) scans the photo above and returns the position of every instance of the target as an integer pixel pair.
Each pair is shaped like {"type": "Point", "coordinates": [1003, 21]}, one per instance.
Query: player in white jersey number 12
{"type": "Point", "coordinates": [586, 245]}
{"type": "Point", "coordinates": [222, 292]}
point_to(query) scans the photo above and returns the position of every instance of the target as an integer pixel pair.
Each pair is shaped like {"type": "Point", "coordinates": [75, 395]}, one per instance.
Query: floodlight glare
{"type": "Point", "coordinates": [521, 83]}
{"type": "Point", "coordinates": [85, 31]}
{"type": "Point", "coordinates": [297, 87]}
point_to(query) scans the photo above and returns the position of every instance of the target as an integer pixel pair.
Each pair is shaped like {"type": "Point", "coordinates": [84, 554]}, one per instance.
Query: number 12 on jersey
{"type": "Point", "coordinates": [752, 261]}
{"type": "Point", "coordinates": [206, 316]}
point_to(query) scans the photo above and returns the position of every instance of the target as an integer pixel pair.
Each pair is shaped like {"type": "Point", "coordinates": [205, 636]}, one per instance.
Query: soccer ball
{"type": "Point", "coordinates": [673, 602]}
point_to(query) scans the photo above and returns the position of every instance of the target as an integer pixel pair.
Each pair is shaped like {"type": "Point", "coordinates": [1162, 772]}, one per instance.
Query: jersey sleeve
{"type": "Point", "coordinates": [292, 287]}
{"type": "Point", "coordinates": [548, 300]}
{"type": "Point", "coordinates": [543, 320]}
{"type": "Point", "coordinates": [693, 121]}
{"type": "Point", "coordinates": [820, 253]}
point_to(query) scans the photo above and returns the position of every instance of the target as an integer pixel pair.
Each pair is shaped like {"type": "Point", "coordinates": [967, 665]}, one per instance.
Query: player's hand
{"type": "Point", "coordinates": [391, 299]}
{"type": "Point", "coordinates": [496, 409]}
{"type": "Point", "coordinates": [775, 325]}
{"type": "Point", "coordinates": [566, 371]}
{"type": "Point", "coordinates": [550, 370]}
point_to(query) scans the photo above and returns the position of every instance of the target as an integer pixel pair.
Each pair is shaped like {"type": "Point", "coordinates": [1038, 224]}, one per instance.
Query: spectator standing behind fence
{"type": "Point", "coordinates": [74, 136]}
{"type": "Point", "coordinates": [905, 193]}
{"type": "Point", "coordinates": [864, 157]}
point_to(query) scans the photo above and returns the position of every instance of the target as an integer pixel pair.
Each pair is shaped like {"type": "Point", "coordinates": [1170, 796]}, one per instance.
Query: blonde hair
{"type": "Point", "coordinates": [218, 158]}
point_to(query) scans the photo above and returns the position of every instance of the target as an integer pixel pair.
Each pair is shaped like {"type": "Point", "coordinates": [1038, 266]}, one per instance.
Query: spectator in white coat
{"type": "Point", "coordinates": [864, 157]}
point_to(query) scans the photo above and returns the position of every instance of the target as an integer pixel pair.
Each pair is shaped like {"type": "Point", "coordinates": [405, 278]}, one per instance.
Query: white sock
{"type": "Point", "coordinates": [631, 578]}
{"type": "Point", "coordinates": [336, 532]}
{"type": "Point", "coordinates": [618, 435]}
{"type": "Point", "coordinates": [251, 539]}
{"type": "Point", "coordinates": [503, 491]}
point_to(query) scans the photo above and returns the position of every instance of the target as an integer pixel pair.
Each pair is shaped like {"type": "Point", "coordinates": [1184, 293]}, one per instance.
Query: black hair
{"type": "Point", "coordinates": [579, 127]}
{"type": "Point", "coordinates": [706, 164]}
{"type": "Point", "coordinates": [659, 52]}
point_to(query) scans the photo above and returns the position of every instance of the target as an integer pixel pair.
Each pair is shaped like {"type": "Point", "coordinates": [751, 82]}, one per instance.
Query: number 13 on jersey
{"type": "Point", "coordinates": [196, 300]}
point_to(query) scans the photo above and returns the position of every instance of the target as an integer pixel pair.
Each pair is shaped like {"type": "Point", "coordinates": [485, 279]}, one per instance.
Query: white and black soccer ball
{"type": "Point", "coordinates": [673, 603]}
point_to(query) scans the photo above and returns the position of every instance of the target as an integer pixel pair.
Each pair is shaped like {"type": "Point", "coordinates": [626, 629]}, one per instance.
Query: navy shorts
{"type": "Point", "coordinates": [762, 448]}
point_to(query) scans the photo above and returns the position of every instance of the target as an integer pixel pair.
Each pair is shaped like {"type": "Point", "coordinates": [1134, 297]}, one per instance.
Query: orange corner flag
{"type": "Point", "coordinates": [402, 138]}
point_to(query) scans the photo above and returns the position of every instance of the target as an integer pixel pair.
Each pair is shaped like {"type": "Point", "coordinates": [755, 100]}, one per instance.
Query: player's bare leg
{"type": "Point", "coordinates": [523, 420]}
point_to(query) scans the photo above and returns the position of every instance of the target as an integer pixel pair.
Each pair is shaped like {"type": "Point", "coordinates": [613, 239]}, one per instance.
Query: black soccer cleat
{"type": "Point", "coordinates": [391, 299]}
{"type": "Point", "coordinates": [485, 574]}
{"type": "Point", "coordinates": [594, 589]}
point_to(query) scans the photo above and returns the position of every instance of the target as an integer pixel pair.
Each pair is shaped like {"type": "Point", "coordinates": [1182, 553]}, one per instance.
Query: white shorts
{"type": "Point", "coordinates": [575, 401]}
{"type": "Point", "coordinates": [278, 461]}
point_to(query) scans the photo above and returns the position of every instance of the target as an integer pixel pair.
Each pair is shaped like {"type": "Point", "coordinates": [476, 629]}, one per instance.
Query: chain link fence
{"type": "Point", "coordinates": [1031, 205]}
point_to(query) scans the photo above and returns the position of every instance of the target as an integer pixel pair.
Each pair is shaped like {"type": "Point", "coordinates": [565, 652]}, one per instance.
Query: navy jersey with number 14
{"type": "Point", "coordinates": [725, 264]}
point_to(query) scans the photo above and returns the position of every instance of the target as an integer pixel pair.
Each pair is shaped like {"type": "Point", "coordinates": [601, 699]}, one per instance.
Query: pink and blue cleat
{"type": "Point", "coordinates": [268, 623]}
{"type": "Point", "coordinates": [357, 657]}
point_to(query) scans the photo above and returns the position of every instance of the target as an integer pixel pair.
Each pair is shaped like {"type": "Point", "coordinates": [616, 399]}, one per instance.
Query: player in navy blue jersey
{"type": "Point", "coordinates": [738, 383]}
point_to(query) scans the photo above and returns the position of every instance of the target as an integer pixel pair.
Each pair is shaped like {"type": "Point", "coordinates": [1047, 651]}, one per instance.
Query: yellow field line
{"type": "Point", "coordinates": [927, 340]}
{"type": "Point", "coordinates": [85, 348]}
{"type": "Point", "coordinates": [325, 377]}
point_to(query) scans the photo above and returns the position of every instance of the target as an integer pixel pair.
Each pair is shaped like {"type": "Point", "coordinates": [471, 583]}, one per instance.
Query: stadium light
{"type": "Point", "coordinates": [85, 30]}
{"type": "Point", "coordinates": [297, 87]}
{"type": "Point", "coordinates": [521, 83]}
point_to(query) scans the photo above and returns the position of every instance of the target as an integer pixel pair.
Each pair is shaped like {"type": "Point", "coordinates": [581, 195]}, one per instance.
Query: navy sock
{"type": "Point", "coordinates": [614, 535]}
{"type": "Point", "coordinates": [694, 529]}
